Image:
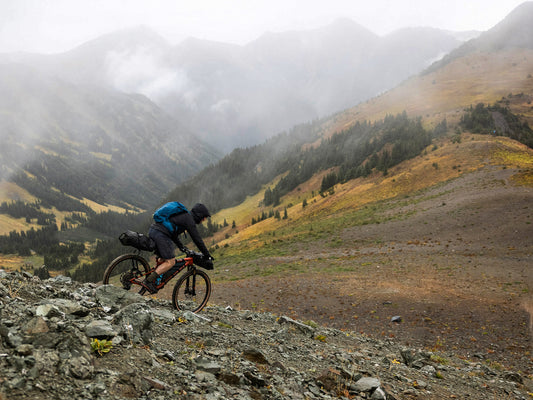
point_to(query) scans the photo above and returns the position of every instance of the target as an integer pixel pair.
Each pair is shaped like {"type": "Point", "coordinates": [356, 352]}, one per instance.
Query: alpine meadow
{"type": "Point", "coordinates": [396, 205]}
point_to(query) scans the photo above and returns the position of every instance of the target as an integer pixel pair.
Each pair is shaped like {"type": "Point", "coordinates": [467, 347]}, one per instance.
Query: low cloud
{"type": "Point", "coordinates": [143, 71]}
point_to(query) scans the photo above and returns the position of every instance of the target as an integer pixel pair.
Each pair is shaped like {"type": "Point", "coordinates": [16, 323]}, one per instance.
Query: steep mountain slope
{"type": "Point", "coordinates": [442, 241]}
{"type": "Point", "coordinates": [123, 148]}
{"type": "Point", "coordinates": [445, 92]}
{"type": "Point", "coordinates": [515, 31]}
{"type": "Point", "coordinates": [240, 95]}
{"type": "Point", "coordinates": [497, 64]}
{"type": "Point", "coordinates": [63, 340]}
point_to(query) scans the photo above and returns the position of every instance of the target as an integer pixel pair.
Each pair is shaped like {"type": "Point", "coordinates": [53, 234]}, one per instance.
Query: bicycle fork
{"type": "Point", "coordinates": [190, 285]}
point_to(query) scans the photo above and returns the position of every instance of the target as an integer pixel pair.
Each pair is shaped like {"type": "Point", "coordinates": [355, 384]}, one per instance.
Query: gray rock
{"type": "Point", "coordinates": [217, 354]}
{"type": "Point", "coordinates": [190, 316]}
{"type": "Point", "coordinates": [135, 323]}
{"type": "Point", "coordinates": [100, 329]}
{"type": "Point", "coordinates": [366, 384]}
{"type": "Point", "coordinates": [414, 358]}
{"type": "Point", "coordinates": [378, 394]}
{"type": "Point", "coordinates": [204, 364]}
{"type": "Point", "coordinates": [61, 280]}
{"type": "Point", "coordinates": [428, 370]}
{"type": "Point", "coordinates": [67, 307]}
{"type": "Point", "coordinates": [305, 329]}
{"type": "Point", "coordinates": [164, 316]}
{"type": "Point", "coordinates": [255, 356]}
{"type": "Point", "coordinates": [78, 367]}
{"type": "Point", "coordinates": [25, 349]}
{"type": "Point", "coordinates": [113, 298]}
{"type": "Point", "coordinates": [48, 310]}
{"type": "Point", "coordinates": [397, 319]}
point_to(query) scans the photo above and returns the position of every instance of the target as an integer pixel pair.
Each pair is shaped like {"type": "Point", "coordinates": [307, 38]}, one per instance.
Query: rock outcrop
{"type": "Point", "coordinates": [53, 333]}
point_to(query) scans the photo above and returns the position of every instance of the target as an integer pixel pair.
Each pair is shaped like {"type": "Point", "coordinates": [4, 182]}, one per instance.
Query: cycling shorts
{"type": "Point", "coordinates": [165, 247]}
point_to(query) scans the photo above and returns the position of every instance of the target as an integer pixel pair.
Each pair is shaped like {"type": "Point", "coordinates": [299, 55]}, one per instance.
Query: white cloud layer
{"type": "Point", "coordinates": [49, 26]}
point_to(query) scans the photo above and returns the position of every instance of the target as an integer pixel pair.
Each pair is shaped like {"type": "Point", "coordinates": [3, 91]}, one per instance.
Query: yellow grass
{"type": "Point", "coordinates": [13, 262]}
{"type": "Point", "coordinates": [11, 192]}
{"type": "Point", "coordinates": [476, 78]}
{"type": "Point", "coordinates": [448, 161]}
{"type": "Point", "coordinates": [98, 208]}
{"type": "Point", "coordinates": [9, 224]}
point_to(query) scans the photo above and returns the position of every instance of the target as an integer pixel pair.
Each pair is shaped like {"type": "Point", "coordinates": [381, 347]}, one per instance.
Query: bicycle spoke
{"type": "Point", "coordinates": [126, 271]}
{"type": "Point", "coordinates": [192, 291]}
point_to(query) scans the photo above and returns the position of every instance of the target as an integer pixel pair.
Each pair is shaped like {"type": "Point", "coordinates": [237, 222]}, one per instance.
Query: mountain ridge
{"type": "Point", "coordinates": [512, 31]}
{"type": "Point", "coordinates": [221, 91]}
{"type": "Point", "coordinates": [75, 126]}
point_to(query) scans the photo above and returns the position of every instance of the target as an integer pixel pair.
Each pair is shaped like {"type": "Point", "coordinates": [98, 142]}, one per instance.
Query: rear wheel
{"type": "Point", "coordinates": [192, 291]}
{"type": "Point", "coordinates": [124, 270]}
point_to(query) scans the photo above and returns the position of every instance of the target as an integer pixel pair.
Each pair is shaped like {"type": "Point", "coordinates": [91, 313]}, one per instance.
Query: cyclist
{"type": "Point", "coordinates": [166, 241]}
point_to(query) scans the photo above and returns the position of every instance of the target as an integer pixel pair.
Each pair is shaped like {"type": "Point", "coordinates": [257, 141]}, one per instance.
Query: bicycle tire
{"type": "Point", "coordinates": [183, 300]}
{"type": "Point", "coordinates": [133, 263]}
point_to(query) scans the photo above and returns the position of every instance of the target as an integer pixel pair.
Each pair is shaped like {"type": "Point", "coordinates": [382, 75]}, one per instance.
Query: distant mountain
{"type": "Point", "coordinates": [95, 62]}
{"type": "Point", "coordinates": [237, 96]}
{"type": "Point", "coordinates": [464, 36]}
{"type": "Point", "coordinates": [440, 97]}
{"type": "Point", "coordinates": [240, 95]}
{"type": "Point", "coordinates": [91, 142]}
{"type": "Point", "coordinates": [514, 31]}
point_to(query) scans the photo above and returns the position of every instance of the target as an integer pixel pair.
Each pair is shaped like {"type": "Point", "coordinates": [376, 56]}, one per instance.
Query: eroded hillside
{"type": "Point", "coordinates": [443, 240]}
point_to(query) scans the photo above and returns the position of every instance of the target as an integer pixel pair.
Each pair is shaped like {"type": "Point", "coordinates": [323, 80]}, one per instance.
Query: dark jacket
{"type": "Point", "coordinates": [184, 223]}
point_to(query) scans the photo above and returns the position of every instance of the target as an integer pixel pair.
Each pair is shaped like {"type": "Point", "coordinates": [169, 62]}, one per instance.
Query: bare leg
{"type": "Point", "coordinates": [161, 269]}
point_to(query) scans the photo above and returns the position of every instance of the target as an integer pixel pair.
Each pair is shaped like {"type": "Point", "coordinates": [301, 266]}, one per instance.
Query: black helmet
{"type": "Point", "coordinates": [199, 212]}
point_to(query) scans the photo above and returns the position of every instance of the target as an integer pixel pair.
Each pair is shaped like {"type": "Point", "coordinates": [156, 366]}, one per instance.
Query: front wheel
{"type": "Point", "coordinates": [124, 270]}
{"type": "Point", "coordinates": [192, 291]}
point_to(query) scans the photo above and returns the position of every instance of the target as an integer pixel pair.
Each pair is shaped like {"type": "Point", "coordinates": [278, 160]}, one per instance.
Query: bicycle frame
{"type": "Point", "coordinates": [175, 270]}
{"type": "Point", "coordinates": [179, 266]}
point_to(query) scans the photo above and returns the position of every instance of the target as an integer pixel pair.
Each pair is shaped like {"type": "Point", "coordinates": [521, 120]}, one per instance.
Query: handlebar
{"type": "Point", "coordinates": [198, 258]}
{"type": "Point", "coordinates": [191, 253]}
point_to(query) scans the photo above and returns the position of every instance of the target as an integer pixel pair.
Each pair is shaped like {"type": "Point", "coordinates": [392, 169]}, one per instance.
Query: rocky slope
{"type": "Point", "coordinates": [47, 328]}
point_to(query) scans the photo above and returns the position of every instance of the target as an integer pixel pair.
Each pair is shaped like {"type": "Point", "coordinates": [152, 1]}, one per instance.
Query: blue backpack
{"type": "Point", "coordinates": [163, 214]}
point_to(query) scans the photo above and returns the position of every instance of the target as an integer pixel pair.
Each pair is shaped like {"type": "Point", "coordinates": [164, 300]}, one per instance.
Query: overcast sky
{"type": "Point", "coordinates": [50, 26]}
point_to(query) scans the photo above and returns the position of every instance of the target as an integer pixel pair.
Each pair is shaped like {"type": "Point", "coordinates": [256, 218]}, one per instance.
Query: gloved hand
{"type": "Point", "coordinates": [208, 262]}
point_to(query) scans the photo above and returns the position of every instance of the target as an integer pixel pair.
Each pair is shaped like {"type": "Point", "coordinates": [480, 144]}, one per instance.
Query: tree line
{"type": "Point", "coordinates": [356, 152]}
{"type": "Point", "coordinates": [28, 211]}
{"type": "Point", "coordinates": [497, 120]}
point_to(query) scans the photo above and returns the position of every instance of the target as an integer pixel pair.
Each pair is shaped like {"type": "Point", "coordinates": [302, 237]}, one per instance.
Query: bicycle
{"type": "Point", "coordinates": [190, 293]}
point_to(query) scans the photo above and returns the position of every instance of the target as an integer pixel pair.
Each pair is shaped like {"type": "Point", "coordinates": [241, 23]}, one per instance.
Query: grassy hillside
{"type": "Point", "coordinates": [476, 78]}
{"type": "Point", "coordinates": [363, 200]}
{"type": "Point", "coordinates": [443, 241]}
{"type": "Point", "coordinates": [10, 191]}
